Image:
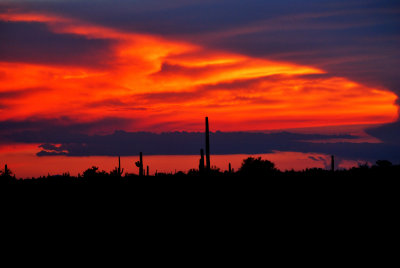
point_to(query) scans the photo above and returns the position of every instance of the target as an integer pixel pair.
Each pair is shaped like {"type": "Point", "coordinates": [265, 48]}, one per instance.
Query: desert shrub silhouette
{"type": "Point", "coordinates": [383, 163]}
{"type": "Point", "coordinates": [116, 172]}
{"type": "Point", "coordinates": [252, 166]}
{"type": "Point", "coordinates": [94, 175]}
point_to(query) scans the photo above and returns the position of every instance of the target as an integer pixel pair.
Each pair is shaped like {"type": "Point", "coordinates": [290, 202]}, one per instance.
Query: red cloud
{"type": "Point", "coordinates": [164, 80]}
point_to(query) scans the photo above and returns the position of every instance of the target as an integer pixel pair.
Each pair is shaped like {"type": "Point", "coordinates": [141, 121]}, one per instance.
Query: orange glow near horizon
{"type": "Point", "coordinates": [21, 159]}
{"type": "Point", "coordinates": [167, 85]}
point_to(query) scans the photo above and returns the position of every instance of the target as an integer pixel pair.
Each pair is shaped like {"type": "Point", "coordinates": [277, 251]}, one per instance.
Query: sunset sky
{"type": "Point", "coordinates": [106, 78]}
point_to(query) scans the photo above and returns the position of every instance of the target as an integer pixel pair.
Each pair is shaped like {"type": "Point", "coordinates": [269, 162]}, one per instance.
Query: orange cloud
{"type": "Point", "coordinates": [170, 84]}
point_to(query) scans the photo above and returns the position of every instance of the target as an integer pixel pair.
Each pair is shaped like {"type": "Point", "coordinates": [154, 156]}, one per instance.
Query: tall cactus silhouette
{"type": "Point", "coordinates": [332, 163]}
{"type": "Point", "coordinates": [201, 163]}
{"type": "Point", "coordinates": [208, 165]}
{"type": "Point", "coordinates": [119, 167]}
{"type": "Point", "coordinates": [6, 171]}
{"type": "Point", "coordinates": [230, 168]}
{"type": "Point", "coordinates": [139, 164]}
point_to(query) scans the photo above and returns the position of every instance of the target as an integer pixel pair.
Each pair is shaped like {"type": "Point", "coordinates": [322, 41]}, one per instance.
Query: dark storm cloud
{"type": "Point", "coordinates": [388, 133]}
{"type": "Point", "coordinates": [156, 16]}
{"type": "Point", "coordinates": [65, 137]}
{"type": "Point", "coordinates": [35, 43]}
{"type": "Point", "coordinates": [203, 91]}
{"type": "Point", "coordinates": [184, 143]}
{"type": "Point", "coordinates": [56, 130]}
{"type": "Point", "coordinates": [11, 94]}
{"type": "Point", "coordinates": [317, 158]}
{"type": "Point", "coordinates": [166, 97]}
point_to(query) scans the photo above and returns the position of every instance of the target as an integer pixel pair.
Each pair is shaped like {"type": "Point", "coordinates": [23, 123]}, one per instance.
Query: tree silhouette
{"type": "Point", "coordinates": [383, 163]}
{"type": "Point", "coordinates": [256, 167]}
{"type": "Point", "coordinates": [94, 172]}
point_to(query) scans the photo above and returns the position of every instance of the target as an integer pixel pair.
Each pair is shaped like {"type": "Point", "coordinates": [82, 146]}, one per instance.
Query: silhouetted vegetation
{"type": "Point", "coordinates": [257, 167]}
{"type": "Point", "coordinates": [6, 175]}
{"type": "Point", "coordinates": [139, 164]}
{"type": "Point", "coordinates": [251, 168]}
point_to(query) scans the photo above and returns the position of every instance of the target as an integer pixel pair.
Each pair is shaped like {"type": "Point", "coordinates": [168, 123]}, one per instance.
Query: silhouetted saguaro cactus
{"type": "Point", "coordinates": [230, 168]}
{"type": "Point", "coordinates": [208, 165]}
{"type": "Point", "coordinates": [139, 164]}
{"type": "Point", "coordinates": [201, 163]}
{"type": "Point", "coordinates": [147, 173]}
{"type": "Point", "coordinates": [332, 163]}
{"type": "Point", "coordinates": [119, 167]}
{"type": "Point", "coordinates": [7, 174]}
